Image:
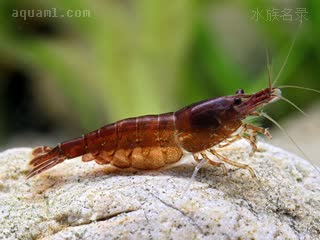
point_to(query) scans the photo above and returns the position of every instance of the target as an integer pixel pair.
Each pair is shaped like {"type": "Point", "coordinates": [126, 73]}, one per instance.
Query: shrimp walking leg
{"type": "Point", "coordinates": [210, 161]}
{"type": "Point", "coordinates": [247, 133]}
{"type": "Point", "coordinates": [233, 163]}
{"type": "Point", "coordinates": [250, 133]}
{"type": "Point", "coordinates": [201, 160]}
{"type": "Point", "coordinates": [256, 129]}
{"type": "Point", "coordinates": [229, 141]}
{"type": "Point", "coordinates": [252, 139]}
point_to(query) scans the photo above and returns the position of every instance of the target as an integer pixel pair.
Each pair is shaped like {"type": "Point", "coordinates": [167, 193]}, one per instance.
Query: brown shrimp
{"type": "Point", "coordinates": [153, 141]}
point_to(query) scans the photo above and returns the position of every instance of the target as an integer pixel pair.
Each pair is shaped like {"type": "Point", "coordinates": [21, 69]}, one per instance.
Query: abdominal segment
{"type": "Point", "coordinates": [144, 143]}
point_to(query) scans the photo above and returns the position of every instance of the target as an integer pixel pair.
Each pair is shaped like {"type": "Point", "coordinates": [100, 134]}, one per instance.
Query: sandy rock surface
{"type": "Point", "coordinates": [77, 200]}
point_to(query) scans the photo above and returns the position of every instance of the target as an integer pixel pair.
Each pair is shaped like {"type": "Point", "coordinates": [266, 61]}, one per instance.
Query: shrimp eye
{"type": "Point", "coordinates": [237, 101]}
{"type": "Point", "coordinates": [240, 91]}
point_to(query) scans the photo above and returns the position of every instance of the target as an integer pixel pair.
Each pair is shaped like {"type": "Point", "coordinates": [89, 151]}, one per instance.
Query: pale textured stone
{"type": "Point", "coordinates": [77, 200]}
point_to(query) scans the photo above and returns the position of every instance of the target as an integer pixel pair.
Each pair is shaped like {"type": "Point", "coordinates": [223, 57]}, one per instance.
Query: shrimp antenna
{"type": "Point", "coordinates": [287, 57]}
{"type": "Point", "coordinates": [291, 139]}
{"type": "Point", "coordinates": [294, 105]}
{"type": "Point", "coordinates": [269, 67]}
{"type": "Point", "coordinates": [299, 87]}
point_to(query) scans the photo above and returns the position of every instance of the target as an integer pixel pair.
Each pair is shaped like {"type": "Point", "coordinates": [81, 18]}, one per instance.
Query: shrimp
{"type": "Point", "coordinates": [154, 141]}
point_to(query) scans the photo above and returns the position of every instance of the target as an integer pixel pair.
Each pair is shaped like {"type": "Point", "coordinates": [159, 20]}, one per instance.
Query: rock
{"type": "Point", "coordinates": [77, 200]}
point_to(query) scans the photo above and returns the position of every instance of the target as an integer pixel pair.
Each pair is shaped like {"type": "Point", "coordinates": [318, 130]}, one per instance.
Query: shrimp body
{"type": "Point", "coordinates": [153, 141]}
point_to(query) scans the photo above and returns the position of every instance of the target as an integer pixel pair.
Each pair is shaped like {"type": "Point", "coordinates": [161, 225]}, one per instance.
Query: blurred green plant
{"type": "Point", "coordinates": [140, 57]}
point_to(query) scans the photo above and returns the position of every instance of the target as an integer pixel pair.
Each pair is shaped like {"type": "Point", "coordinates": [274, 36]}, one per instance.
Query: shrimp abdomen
{"type": "Point", "coordinates": [145, 142]}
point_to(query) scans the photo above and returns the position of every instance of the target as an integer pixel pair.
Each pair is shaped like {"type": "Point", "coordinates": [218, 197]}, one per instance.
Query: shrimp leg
{"type": "Point", "coordinates": [210, 161]}
{"type": "Point", "coordinates": [233, 163]}
{"type": "Point", "coordinates": [247, 133]}
{"type": "Point", "coordinates": [229, 141]}
{"type": "Point", "coordinates": [250, 133]}
{"type": "Point", "coordinates": [256, 129]}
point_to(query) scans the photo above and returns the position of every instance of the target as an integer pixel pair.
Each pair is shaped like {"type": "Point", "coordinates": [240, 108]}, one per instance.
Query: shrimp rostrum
{"type": "Point", "coordinates": [153, 141]}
